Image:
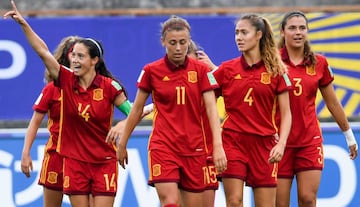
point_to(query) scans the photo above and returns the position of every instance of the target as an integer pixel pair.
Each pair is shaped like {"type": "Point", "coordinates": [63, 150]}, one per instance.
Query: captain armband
{"type": "Point", "coordinates": [350, 138]}
{"type": "Point", "coordinates": [125, 107]}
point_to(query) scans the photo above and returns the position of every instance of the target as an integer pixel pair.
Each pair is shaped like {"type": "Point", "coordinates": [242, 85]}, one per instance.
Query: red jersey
{"type": "Point", "coordinates": [177, 97]}
{"type": "Point", "coordinates": [49, 102]}
{"type": "Point", "coordinates": [87, 116]}
{"type": "Point", "coordinates": [305, 129]}
{"type": "Point", "coordinates": [250, 96]}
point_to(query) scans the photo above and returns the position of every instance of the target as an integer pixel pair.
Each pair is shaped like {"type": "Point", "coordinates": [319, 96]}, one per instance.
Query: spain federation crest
{"type": "Point", "coordinates": [192, 76]}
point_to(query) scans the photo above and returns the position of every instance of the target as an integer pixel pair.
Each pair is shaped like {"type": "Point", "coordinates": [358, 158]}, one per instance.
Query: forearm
{"type": "Point", "coordinates": [31, 132]}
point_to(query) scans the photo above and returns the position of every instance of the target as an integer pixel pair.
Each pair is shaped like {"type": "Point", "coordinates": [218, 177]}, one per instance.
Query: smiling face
{"type": "Point", "coordinates": [176, 43]}
{"type": "Point", "coordinates": [246, 36]}
{"type": "Point", "coordinates": [81, 62]}
{"type": "Point", "coordinates": [295, 32]}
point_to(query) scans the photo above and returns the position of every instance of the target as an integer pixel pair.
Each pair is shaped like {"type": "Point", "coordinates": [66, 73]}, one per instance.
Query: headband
{"type": "Point", "coordinates": [97, 45]}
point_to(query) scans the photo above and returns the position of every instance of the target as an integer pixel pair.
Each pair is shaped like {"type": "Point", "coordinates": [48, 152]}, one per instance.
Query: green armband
{"type": "Point", "coordinates": [125, 107]}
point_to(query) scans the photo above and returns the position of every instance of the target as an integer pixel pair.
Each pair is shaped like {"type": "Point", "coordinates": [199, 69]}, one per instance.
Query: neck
{"type": "Point", "coordinates": [252, 57]}
{"type": "Point", "coordinates": [296, 55]}
{"type": "Point", "coordinates": [86, 80]}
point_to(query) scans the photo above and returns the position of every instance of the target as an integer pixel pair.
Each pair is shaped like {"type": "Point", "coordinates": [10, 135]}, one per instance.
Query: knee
{"type": "Point", "coordinates": [234, 201]}
{"type": "Point", "coordinates": [307, 200]}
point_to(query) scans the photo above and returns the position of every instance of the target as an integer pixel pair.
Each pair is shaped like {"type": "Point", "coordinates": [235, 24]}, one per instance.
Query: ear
{"type": "Point", "coordinates": [95, 60]}
{"type": "Point", "coordinates": [282, 33]}
{"type": "Point", "coordinates": [162, 40]}
{"type": "Point", "coordinates": [259, 34]}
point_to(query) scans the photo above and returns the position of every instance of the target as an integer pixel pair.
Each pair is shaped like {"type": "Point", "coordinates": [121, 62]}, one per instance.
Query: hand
{"type": "Point", "coordinates": [115, 132]}
{"type": "Point", "coordinates": [276, 153]}
{"type": "Point", "coordinates": [203, 57]}
{"type": "Point", "coordinates": [353, 151]}
{"type": "Point", "coordinates": [26, 164]}
{"type": "Point", "coordinates": [122, 155]}
{"type": "Point", "coordinates": [219, 158]}
{"type": "Point", "coordinates": [14, 14]}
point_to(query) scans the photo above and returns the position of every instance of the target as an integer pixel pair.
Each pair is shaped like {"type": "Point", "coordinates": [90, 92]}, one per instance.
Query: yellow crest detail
{"type": "Point", "coordinates": [166, 78]}
{"type": "Point", "coordinates": [192, 76]}
{"type": "Point", "coordinates": [98, 94]}
{"type": "Point", "coordinates": [265, 78]}
{"type": "Point", "coordinates": [238, 76]}
{"type": "Point", "coordinates": [52, 177]}
{"type": "Point", "coordinates": [156, 170]}
{"type": "Point", "coordinates": [66, 183]}
{"type": "Point", "coordinates": [310, 70]}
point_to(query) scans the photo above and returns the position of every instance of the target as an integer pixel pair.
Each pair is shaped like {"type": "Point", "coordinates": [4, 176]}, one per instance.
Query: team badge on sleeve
{"type": "Point", "coordinates": [211, 78]}
{"type": "Point", "coordinates": [287, 79]}
{"type": "Point", "coordinates": [116, 85]}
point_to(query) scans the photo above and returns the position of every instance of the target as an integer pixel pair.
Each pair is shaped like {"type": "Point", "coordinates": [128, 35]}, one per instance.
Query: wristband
{"type": "Point", "coordinates": [350, 138]}
{"type": "Point", "coordinates": [125, 107]}
{"type": "Point", "coordinates": [148, 108]}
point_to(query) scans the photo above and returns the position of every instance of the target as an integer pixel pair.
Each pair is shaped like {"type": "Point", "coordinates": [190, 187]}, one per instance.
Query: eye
{"type": "Point", "coordinates": [172, 42]}
{"type": "Point", "coordinates": [183, 42]}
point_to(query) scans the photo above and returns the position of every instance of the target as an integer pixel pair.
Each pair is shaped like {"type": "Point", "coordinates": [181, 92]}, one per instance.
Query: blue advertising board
{"type": "Point", "coordinates": [339, 187]}
{"type": "Point", "coordinates": [130, 42]}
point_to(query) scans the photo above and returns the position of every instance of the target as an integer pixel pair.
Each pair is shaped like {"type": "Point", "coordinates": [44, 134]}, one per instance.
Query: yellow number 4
{"type": "Point", "coordinates": [248, 98]}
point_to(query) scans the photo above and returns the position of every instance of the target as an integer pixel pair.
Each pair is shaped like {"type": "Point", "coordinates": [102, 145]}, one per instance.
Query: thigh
{"type": "Point", "coordinates": [233, 189]}
{"type": "Point", "coordinates": [264, 197]}
{"type": "Point", "coordinates": [308, 182]}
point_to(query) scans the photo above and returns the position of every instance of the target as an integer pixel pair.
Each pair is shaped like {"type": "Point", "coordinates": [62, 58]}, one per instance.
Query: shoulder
{"type": "Point", "coordinates": [320, 58]}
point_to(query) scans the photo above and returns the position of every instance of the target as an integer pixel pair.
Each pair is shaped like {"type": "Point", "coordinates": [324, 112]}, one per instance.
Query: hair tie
{"type": "Point", "coordinates": [97, 45]}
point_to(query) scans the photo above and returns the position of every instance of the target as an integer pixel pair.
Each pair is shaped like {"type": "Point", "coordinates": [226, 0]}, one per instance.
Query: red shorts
{"type": "Point", "coordinates": [247, 157]}
{"type": "Point", "coordinates": [82, 178]}
{"type": "Point", "coordinates": [187, 171]}
{"type": "Point", "coordinates": [210, 174]}
{"type": "Point", "coordinates": [301, 159]}
{"type": "Point", "coordinates": [51, 175]}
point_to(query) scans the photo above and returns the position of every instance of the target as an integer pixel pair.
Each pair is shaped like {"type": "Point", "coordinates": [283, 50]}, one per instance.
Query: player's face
{"type": "Point", "coordinates": [81, 62]}
{"type": "Point", "coordinates": [246, 36]}
{"type": "Point", "coordinates": [176, 44]}
{"type": "Point", "coordinates": [295, 32]}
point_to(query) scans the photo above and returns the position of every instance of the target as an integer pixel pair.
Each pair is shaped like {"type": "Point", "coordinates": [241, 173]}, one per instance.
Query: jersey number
{"type": "Point", "coordinates": [110, 182]}
{"type": "Point", "coordinates": [298, 86]}
{"type": "Point", "coordinates": [180, 95]}
{"type": "Point", "coordinates": [209, 174]}
{"type": "Point", "coordinates": [248, 97]}
{"type": "Point", "coordinates": [83, 112]}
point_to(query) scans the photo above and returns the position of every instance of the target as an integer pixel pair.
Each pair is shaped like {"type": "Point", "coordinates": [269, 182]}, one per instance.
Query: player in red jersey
{"type": "Point", "coordinates": [89, 94]}
{"type": "Point", "coordinates": [177, 148]}
{"type": "Point", "coordinates": [209, 171]}
{"type": "Point", "coordinates": [309, 73]}
{"type": "Point", "coordinates": [48, 102]}
{"type": "Point", "coordinates": [251, 86]}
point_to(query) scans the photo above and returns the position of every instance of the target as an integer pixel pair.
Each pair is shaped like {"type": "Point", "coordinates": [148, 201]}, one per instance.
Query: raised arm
{"type": "Point", "coordinates": [36, 42]}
